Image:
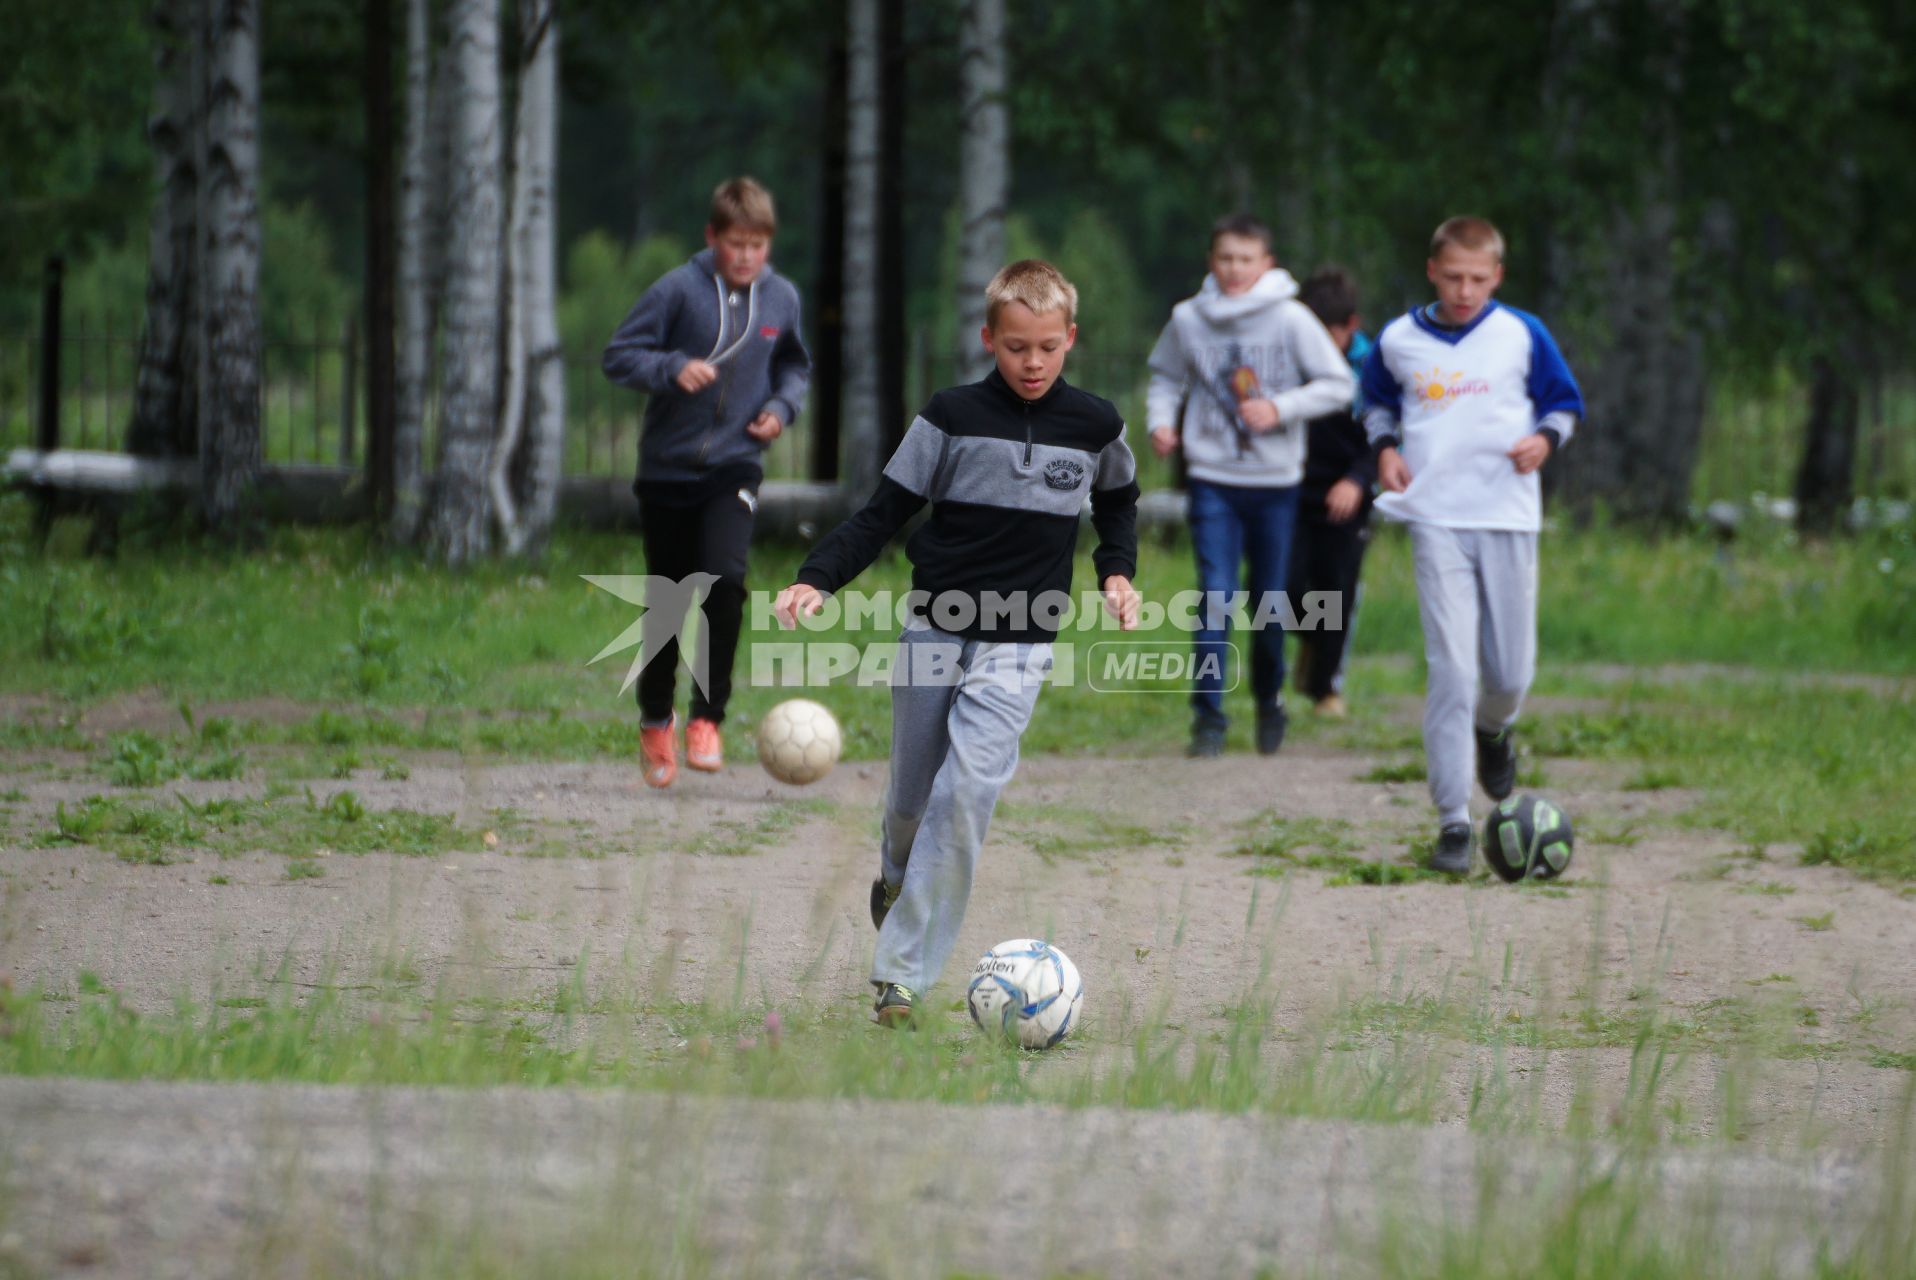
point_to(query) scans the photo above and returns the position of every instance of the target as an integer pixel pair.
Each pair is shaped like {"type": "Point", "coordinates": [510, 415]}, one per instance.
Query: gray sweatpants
{"type": "Point", "coordinates": [1477, 592]}
{"type": "Point", "coordinates": [958, 707]}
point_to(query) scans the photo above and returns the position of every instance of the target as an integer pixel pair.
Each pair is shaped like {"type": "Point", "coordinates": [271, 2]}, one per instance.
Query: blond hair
{"type": "Point", "coordinates": [1037, 284]}
{"type": "Point", "coordinates": [743, 202]}
{"type": "Point", "coordinates": [1474, 235]}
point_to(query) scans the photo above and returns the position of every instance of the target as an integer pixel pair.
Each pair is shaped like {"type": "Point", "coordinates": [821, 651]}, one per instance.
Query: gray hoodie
{"type": "Point", "coordinates": [752, 335]}
{"type": "Point", "coordinates": [1261, 344]}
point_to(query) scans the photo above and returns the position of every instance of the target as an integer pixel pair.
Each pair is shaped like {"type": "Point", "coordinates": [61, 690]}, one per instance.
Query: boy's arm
{"type": "Point", "coordinates": [1363, 470]}
{"type": "Point", "coordinates": [791, 372]}
{"type": "Point", "coordinates": [846, 551]}
{"type": "Point", "coordinates": [1327, 385]}
{"type": "Point", "coordinates": [1383, 401]}
{"type": "Point", "coordinates": [1554, 395]}
{"type": "Point", "coordinates": [1114, 511]}
{"type": "Point", "coordinates": [639, 356]}
{"type": "Point", "coordinates": [1168, 374]}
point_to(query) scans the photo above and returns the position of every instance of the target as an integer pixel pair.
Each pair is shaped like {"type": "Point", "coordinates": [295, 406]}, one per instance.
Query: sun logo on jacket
{"type": "Point", "coordinates": [1434, 386]}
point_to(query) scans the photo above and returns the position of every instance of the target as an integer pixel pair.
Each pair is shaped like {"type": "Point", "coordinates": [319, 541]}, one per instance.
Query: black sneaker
{"type": "Point", "coordinates": [883, 895]}
{"type": "Point", "coordinates": [1452, 854]}
{"type": "Point", "coordinates": [1496, 763]}
{"type": "Point", "coordinates": [896, 1006]}
{"type": "Point", "coordinates": [1270, 730]}
{"type": "Point", "coordinates": [1207, 740]}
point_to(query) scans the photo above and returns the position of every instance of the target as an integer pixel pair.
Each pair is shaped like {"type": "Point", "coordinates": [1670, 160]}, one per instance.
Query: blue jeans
{"type": "Point", "coordinates": [1231, 525]}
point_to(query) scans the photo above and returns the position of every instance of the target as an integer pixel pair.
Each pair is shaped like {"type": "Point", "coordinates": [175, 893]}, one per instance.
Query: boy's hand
{"type": "Point", "coordinates": [795, 600]}
{"type": "Point", "coordinates": [1163, 440]}
{"type": "Point", "coordinates": [1393, 473]}
{"type": "Point", "coordinates": [696, 376]}
{"type": "Point", "coordinates": [1121, 601]}
{"type": "Point", "coordinates": [765, 427]}
{"type": "Point", "coordinates": [1259, 415]}
{"type": "Point", "coordinates": [1341, 503]}
{"type": "Point", "coordinates": [1529, 453]}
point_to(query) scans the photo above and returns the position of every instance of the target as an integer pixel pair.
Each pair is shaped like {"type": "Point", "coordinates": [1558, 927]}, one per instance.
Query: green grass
{"type": "Point", "coordinates": [407, 658]}
{"type": "Point", "coordinates": [737, 838]}
{"type": "Point", "coordinates": [298, 825]}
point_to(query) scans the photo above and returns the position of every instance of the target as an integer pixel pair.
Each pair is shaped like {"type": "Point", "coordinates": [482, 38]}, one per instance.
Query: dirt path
{"type": "Point", "coordinates": [730, 886]}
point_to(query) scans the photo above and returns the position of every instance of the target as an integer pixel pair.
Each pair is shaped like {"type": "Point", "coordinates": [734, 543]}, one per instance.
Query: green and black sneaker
{"type": "Point", "coordinates": [896, 1006]}
{"type": "Point", "coordinates": [883, 895]}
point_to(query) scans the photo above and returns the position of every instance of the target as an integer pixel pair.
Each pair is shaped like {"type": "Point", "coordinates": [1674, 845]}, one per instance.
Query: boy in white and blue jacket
{"type": "Point", "coordinates": [1465, 399]}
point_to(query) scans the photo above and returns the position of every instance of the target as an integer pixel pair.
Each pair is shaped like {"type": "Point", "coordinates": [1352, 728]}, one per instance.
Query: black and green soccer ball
{"type": "Point", "coordinates": [1527, 837]}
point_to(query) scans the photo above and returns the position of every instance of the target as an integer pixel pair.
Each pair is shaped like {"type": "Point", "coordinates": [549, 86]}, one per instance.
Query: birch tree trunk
{"type": "Point", "coordinates": [229, 443]}
{"type": "Point", "coordinates": [541, 460]}
{"type": "Point", "coordinates": [862, 430]}
{"type": "Point", "coordinates": [984, 173]}
{"type": "Point", "coordinates": [457, 524]}
{"type": "Point", "coordinates": [165, 402]}
{"type": "Point", "coordinates": [413, 375]}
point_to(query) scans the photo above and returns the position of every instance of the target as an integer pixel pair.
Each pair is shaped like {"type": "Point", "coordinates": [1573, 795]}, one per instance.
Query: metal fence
{"type": "Point", "coordinates": [311, 403]}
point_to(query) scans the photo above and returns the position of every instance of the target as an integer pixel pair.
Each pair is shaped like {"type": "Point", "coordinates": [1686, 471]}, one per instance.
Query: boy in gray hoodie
{"type": "Point", "coordinates": [715, 345]}
{"type": "Point", "coordinates": [1236, 377]}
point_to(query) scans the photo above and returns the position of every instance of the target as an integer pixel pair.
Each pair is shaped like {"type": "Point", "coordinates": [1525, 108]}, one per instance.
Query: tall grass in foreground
{"type": "Point", "coordinates": [1598, 1206]}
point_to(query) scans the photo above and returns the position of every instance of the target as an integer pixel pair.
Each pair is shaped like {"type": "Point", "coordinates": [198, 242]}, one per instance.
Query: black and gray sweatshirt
{"type": "Point", "coordinates": [1006, 478]}
{"type": "Point", "coordinates": [752, 335]}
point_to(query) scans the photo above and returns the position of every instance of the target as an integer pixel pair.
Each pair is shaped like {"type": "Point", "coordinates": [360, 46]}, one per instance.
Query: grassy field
{"type": "Point", "coordinates": [1771, 674]}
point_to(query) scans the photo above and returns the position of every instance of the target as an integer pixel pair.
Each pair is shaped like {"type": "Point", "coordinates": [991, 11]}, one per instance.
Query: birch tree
{"type": "Point", "coordinates": [526, 462]}
{"type": "Point", "coordinates": [862, 431]}
{"type": "Point", "coordinates": [229, 400]}
{"type": "Point", "coordinates": [165, 403]}
{"type": "Point", "coordinates": [984, 172]}
{"type": "Point", "coordinates": [457, 525]}
{"type": "Point", "coordinates": [413, 372]}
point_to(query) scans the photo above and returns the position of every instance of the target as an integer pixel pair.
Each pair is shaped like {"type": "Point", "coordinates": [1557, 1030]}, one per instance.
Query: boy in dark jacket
{"type": "Point", "coordinates": [1333, 503]}
{"type": "Point", "coordinates": [715, 345]}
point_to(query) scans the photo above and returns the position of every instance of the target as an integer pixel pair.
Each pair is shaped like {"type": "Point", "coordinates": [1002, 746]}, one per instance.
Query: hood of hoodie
{"type": "Point", "coordinates": [707, 262]}
{"type": "Point", "coordinates": [1220, 311]}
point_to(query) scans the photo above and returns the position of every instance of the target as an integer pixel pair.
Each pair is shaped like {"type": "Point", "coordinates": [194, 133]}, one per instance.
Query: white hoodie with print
{"type": "Point", "coordinates": [1219, 351]}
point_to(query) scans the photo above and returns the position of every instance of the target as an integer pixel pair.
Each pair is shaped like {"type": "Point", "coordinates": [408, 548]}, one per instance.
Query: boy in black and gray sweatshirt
{"type": "Point", "coordinates": [715, 345]}
{"type": "Point", "coordinates": [1006, 465]}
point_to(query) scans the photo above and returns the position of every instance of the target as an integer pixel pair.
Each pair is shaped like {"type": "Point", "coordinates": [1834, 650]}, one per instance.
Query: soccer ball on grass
{"type": "Point", "coordinates": [1527, 837]}
{"type": "Point", "coordinates": [1026, 990]}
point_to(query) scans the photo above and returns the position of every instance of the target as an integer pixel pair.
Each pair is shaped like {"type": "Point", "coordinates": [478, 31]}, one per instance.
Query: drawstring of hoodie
{"type": "Point", "coordinates": [751, 315]}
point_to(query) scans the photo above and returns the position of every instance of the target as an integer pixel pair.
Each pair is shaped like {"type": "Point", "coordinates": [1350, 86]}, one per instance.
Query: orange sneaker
{"type": "Point", "coordinates": [704, 749]}
{"type": "Point", "coordinates": [659, 753]}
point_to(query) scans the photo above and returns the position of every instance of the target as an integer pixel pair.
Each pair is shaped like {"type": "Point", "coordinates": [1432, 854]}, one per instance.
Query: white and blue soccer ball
{"type": "Point", "coordinates": [1027, 991]}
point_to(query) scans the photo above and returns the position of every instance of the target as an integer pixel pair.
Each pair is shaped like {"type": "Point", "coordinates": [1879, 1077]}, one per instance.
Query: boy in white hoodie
{"type": "Point", "coordinates": [1236, 377]}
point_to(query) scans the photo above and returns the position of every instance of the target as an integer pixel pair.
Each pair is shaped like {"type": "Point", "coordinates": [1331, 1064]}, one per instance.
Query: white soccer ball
{"type": "Point", "coordinates": [1026, 990]}
{"type": "Point", "coordinates": [798, 741]}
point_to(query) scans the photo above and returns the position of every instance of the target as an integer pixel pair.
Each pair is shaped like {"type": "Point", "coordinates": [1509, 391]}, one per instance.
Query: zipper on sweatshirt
{"type": "Point", "coordinates": [1027, 407]}
{"type": "Point", "coordinates": [718, 413]}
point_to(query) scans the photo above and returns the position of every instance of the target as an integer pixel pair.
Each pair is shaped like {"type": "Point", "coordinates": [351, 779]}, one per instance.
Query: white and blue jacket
{"type": "Point", "coordinates": [1454, 401]}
